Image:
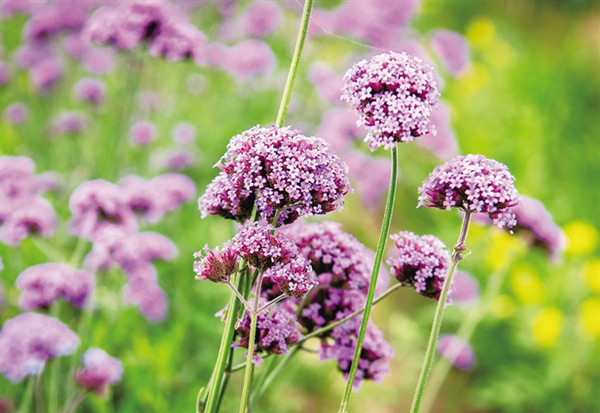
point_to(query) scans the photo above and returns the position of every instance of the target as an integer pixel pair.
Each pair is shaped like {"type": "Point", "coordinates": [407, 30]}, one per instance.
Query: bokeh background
{"type": "Point", "coordinates": [529, 97]}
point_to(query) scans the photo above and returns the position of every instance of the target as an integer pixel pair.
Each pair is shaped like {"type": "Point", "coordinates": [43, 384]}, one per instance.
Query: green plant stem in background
{"type": "Point", "coordinates": [457, 256]}
{"type": "Point", "coordinates": [270, 375]}
{"type": "Point", "coordinates": [250, 354]}
{"type": "Point", "coordinates": [27, 396]}
{"type": "Point", "coordinates": [385, 229]}
{"type": "Point", "coordinates": [207, 401]}
{"type": "Point", "coordinates": [466, 330]}
{"type": "Point", "coordinates": [289, 84]}
{"type": "Point", "coordinates": [74, 402]}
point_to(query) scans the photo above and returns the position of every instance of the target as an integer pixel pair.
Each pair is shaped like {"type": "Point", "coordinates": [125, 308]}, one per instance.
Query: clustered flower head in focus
{"type": "Point", "coordinates": [420, 261]}
{"type": "Point", "coordinates": [276, 170]}
{"type": "Point", "coordinates": [394, 94]}
{"type": "Point", "coordinates": [472, 183]}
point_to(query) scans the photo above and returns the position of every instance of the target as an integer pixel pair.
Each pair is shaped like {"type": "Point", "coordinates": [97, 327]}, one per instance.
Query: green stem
{"type": "Point", "coordinates": [38, 391]}
{"type": "Point", "coordinates": [27, 396]}
{"type": "Point", "coordinates": [74, 402]}
{"type": "Point", "coordinates": [457, 256]}
{"type": "Point", "coordinates": [465, 331]}
{"type": "Point", "coordinates": [289, 84]}
{"type": "Point", "coordinates": [331, 326]}
{"type": "Point", "coordinates": [385, 229]}
{"type": "Point", "coordinates": [269, 377]}
{"type": "Point", "coordinates": [208, 401]}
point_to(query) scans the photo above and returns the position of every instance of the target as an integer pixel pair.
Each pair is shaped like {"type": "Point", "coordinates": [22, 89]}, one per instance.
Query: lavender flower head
{"type": "Point", "coordinates": [16, 113]}
{"type": "Point", "coordinates": [44, 283]}
{"type": "Point", "coordinates": [27, 215]}
{"type": "Point", "coordinates": [16, 175]}
{"type": "Point", "coordinates": [394, 94]}
{"type": "Point", "coordinates": [278, 169]}
{"type": "Point", "coordinates": [149, 297]}
{"type": "Point", "coordinates": [28, 340]}
{"type": "Point", "coordinates": [457, 351]}
{"type": "Point", "coordinates": [99, 371]}
{"type": "Point", "coordinates": [142, 133]}
{"type": "Point", "coordinates": [472, 183]}
{"type": "Point", "coordinates": [90, 90]}
{"type": "Point", "coordinates": [184, 133]}
{"type": "Point", "coordinates": [465, 290]}
{"type": "Point", "coordinates": [420, 261]}
{"type": "Point", "coordinates": [216, 265]}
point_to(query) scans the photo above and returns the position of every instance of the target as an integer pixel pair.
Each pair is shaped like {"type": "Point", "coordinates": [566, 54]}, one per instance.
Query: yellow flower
{"type": "Point", "coordinates": [527, 286]}
{"type": "Point", "coordinates": [589, 318]}
{"type": "Point", "coordinates": [582, 237]}
{"type": "Point", "coordinates": [546, 326]}
{"type": "Point", "coordinates": [503, 248]}
{"type": "Point", "coordinates": [503, 306]}
{"type": "Point", "coordinates": [592, 274]}
{"type": "Point", "coordinates": [481, 33]}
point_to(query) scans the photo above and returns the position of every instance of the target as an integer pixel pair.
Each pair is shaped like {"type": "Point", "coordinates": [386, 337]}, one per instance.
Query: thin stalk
{"type": "Point", "coordinates": [239, 295]}
{"type": "Point", "coordinates": [208, 401]}
{"type": "Point", "coordinates": [385, 229]}
{"type": "Point", "coordinates": [268, 379]}
{"type": "Point", "coordinates": [289, 84]}
{"type": "Point", "coordinates": [27, 396]}
{"type": "Point", "coordinates": [54, 367]}
{"type": "Point", "coordinates": [251, 341]}
{"type": "Point", "coordinates": [457, 256]}
{"type": "Point", "coordinates": [331, 326]}
{"type": "Point", "coordinates": [74, 402]}
{"type": "Point", "coordinates": [465, 331]}
{"type": "Point", "coordinates": [38, 392]}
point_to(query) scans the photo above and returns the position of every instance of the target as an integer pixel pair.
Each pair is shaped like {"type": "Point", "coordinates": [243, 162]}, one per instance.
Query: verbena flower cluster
{"type": "Point", "coordinates": [28, 340]}
{"type": "Point", "coordinates": [343, 267]}
{"type": "Point", "coordinates": [44, 283]}
{"type": "Point", "coordinates": [99, 371]}
{"type": "Point", "coordinates": [276, 169]}
{"type": "Point", "coordinates": [456, 350]}
{"type": "Point", "coordinates": [420, 261]}
{"type": "Point", "coordinates": [394, 94]}
{"type": "Point", "coordinates": [472, 183]}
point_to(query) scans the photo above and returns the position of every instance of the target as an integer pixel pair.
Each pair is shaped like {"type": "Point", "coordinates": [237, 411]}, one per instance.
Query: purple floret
{"type": "Point", "coordinates": [394, 94]}
{"type": "Point", "coordinates": [276, 169]}
{"type": "Point", "coordinates": [472, 183]}
{"type": "Point", "coordinates": [420, 261]}
{"type": "Point", "coordinates": [28, 340]}
{"type": "Point", "coordinates": [99, 371]}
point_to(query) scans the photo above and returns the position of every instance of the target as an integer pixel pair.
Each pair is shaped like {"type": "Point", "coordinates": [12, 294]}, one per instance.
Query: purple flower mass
{"type": "Point", "coordinates": [457, 351]}
{"type": "Point", "coordinates": [394, 94]}
{"type": "Point", "coordinates": [28, 340]}
{"type": "Point", "coordinates": [472, 183]}
{"type": "Point", "coordinates": [99, 371]}
{"type": "Point", "coordinates": [43, 283]}
{"type": "Point", "coordinates": [276, 169]}
{"type": "Point", "coordinates": [420, 261]}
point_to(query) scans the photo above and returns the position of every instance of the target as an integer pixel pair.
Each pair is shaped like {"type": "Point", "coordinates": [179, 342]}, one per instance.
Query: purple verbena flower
{"type": "Point", "coordinates": [44, 283]}
{"type": "Point", "coordinates": [394, 94]}
{"type": "Point", "coordinates": [16, 113]}
{"type": "Point", "coordinates": [173, 190]}
{"type": "Point", "coordinates": [184, 133]}
{"type": "Point", "coordinates": [45, 73]}
{"type": "Point", "coordinates": [443, 143]}
{"type": "Point", "coordinates": [215, 265]}
{"type": "Point", "coordinates": [452, 49]}
{"type": "Point", "coordinates": [327, 82]}
{"type": "Point", "coordinates": [457, 351]}
{"type": "Point", "coordinates": [276, 169]}
{"type": "Point", "coordinates": [373, 186]}
{"type": "Point", "coordinates": [261, 18]}
{"type": "Point", "coordinates": [420, 261]}
{"type": "Point", "coordinates": [99, 61]}
{"type": "Point", "coordinates": [27, 215]}
{"type": "Point", "coordinates": [16, 176]}
{"type": "Point", "coordinates": [339, 129]}
{"type": "Point", "coordinates": [54, 18]}
{"type": "Point", "coordinates": [149, 297]}
{"type": "Point", "coordinates": [250, 58]}
{"type": "Point", "coordinates": [90, 90]}
{"type": "Point", "coordinates": [465, 289]}
{"type": "Point", "coordinates": [472, 183]}
{"type": "Point", "coordinates": [28, 340]}
{"type": "Point", "coordinates": [10, 7]}
{"type": "Point", "coordinates": [69, 122]}
{"type": "Point", "coordinates": [177, 159]}
{"type": "Point", "coordinates": [142, 133]}
{"type": "Point", "coordinates": [99, 371]}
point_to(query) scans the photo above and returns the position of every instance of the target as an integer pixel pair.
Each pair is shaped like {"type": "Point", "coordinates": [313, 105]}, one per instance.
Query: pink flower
{"type": "Point", "coordinates": [457, 351]}
{"type": "Point", "coordinates": [250, 58]}
{"type": "Point", "coordinates": [452, 49]}
{"type": "Point", "coordinates": [261, 18]}
{"type": "Point", "coordinates": [142, 133]}
{"type": "Point", "coordinates": [99, 371]}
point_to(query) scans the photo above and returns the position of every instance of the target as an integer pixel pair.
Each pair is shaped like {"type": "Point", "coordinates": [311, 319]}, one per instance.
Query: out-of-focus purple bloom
{"type": "Point", "coordinates": [472, 183]}
{"type": "Point", "coordinates": [217, 54]}
{"type": "Point", "coordinates": [394, 94]}
{"type": "Point", "coordinates": [321, 22]}
{"type": "Point", "coordinates": [141, 198]}
{"type": "Point", "coordinates": [29, 54]}
{"type": "Point", "coordinates": [173, 189]}
{"type": "Point", "coordinates": [149, 297]}
{"type": "Point", "coordinates": [250, 58]}
{"type": "Point", "coordinates": [420, 262]}
{"type": "Point", "coordinates": [326, 81]}
{"type": "Point", "coordinates": [175, 160]}
{"type": "Point", "coordinates": [465, 289]}
{"type": "Point", "coordinates": [28, 340]}
{"type": "Point", "coordinates": [457, 351]}
{"type": "Point", "coordinates": [44, 283]}
{"type": "Point", "coordinates": [184, 133]}
{"type": "Point", "coordinates": [90, 90]}
{"type": "Point", "coordinates": [338, 128]}
{"type": "Point", "coordinates": [276, 169]}
{"type": "Point", "coordinates": [149, 100]}
{"type": "Point", "coordinates": [452, 49]}
{"type": "Point", "coordinates": [4, 73]}
{"type": "Point", "coordinates": [99, 371]}
{"type": "Point", "coordinates": [142, 133]}
{"type": "Point", "coordinates": [276, 330]}
{"type": "Point", "coordinates": [28, 215]}
{"type": "Point", "coordinates": [214, 265]}
{"type": "Point", "coordinates": [99, 61]}
{"type": "Point", "coordinates": [161, 23]}
{"type": "Point", "coordinates": [54, 18]}
{"type": "Point", "coordinates": [45, 73]}
{"type": "Point", "coordinates": [16, 176]}
{"type": "Point", "coordinates": [261, 18]}
{"type": "Point", "coordinates": [47, 181]}
{"type": "Point", "coordinates": [16, 113]}
{"type": "Point", "coordinates": [372, 186]}
{"type": "Point", "coordinates": [97, 203]}
{"type": "Point", "coordinates": [10, 7]}
{"type": "Point", "coordinates": [76, 45]}
{"type": "Point", "coordinates": [443, 144]}
{"type": "Point", "coordinates": [69, 122]}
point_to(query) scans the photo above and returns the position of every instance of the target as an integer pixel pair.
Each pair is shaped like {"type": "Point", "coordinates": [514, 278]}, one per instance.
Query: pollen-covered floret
{"type": "Point", "coordinates": [394, 94]}
{"type": "Point", "coordinates": [276, 169]}
{"type": "Point", "coordinates": [472, 183]}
